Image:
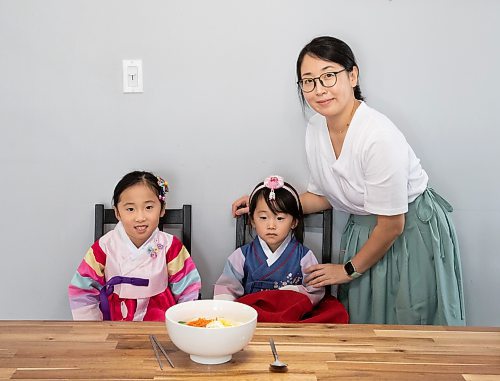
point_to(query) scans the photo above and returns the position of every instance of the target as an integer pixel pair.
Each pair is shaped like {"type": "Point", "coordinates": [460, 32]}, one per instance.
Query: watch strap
{"type": "Point", "coordinates": [351, 270]}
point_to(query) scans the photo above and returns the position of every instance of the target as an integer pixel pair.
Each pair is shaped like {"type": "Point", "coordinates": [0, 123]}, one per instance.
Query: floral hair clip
{"type": "Point", "coordinates": [273, 182]}
{"type": "Point", "coordinates": [163, 188]}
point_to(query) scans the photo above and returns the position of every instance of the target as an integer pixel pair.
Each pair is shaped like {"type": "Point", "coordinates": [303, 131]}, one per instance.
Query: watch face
{"type": "Point", "coordinates": [349, 268]}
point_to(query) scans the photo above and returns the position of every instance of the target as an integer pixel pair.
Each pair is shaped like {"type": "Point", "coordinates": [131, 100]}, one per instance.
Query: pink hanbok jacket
{"type": "Point", "coordinates": [118, 281]}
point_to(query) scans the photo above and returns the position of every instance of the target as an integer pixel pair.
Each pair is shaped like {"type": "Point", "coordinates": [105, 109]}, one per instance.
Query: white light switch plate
{"type": "Point", "coordinates": [132, 76]}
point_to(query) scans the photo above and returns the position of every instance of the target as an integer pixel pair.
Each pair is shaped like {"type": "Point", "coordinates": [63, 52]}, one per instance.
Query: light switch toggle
{"type": "Point", "coordinates": [132, 76]}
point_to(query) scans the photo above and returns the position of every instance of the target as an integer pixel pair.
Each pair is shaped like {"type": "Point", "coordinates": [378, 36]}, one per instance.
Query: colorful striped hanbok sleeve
{"type": "Point", "coordinates": [183, 277]}
{"type": "Point", "coordinates": [229, 286]}
{"type": "Point", "coordinates": [86, 283]}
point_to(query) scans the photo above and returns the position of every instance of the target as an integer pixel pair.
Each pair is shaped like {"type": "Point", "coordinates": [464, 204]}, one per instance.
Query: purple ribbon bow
{"type": "Point", "coordinates": [109, 287]}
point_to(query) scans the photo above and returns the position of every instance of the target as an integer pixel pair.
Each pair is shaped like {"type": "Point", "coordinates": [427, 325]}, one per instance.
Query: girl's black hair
{"type": "Point", "coordinates": [329, 49]}
{"type": "Point", "coordinates": [134, 178]}
{"type": "Point", "coordinates": [284, 202]}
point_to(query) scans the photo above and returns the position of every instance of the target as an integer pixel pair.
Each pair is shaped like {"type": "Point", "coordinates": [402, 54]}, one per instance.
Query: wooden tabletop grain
{"type": "Point", "coordinates": [66, 350]}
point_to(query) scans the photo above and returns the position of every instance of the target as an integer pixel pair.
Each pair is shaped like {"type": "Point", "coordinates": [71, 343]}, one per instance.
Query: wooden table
{"type": "Point", "coordinates": [52, 350]}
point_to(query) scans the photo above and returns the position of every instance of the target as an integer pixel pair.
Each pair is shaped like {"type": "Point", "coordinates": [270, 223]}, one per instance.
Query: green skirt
{"type": "Point", "coordinates": [419, 279]}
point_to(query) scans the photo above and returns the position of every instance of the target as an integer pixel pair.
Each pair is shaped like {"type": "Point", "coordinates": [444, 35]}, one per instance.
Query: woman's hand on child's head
{"type": "Point", "coordinates": [240, 206]}
{"type": "Point", "coordinates": [321, 275]}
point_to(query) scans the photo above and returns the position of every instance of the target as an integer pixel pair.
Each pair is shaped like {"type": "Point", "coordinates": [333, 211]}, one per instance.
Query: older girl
{"type": "Point", "coordinates": [134, 272]}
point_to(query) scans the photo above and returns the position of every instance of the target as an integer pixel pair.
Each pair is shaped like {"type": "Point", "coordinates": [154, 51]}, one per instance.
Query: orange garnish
{"type": "Point", "coordinates": [200, 322]}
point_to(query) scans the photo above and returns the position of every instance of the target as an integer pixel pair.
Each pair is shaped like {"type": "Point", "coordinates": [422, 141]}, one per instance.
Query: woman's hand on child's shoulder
{"type": "Point", "coordinates": [240, 206]}
{"type": "Point", "coordinates": [321, 275]}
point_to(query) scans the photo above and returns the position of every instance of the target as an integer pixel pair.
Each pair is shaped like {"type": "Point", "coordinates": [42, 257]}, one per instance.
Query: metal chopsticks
{"type": "Point", "coordinates": [156, 344]}
{"type": "Point", "coordinates": [153, 344]}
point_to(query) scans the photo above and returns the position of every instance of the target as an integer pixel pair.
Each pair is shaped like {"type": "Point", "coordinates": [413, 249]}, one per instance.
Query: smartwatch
{"type": "Point", "coordinates": [351, 270]}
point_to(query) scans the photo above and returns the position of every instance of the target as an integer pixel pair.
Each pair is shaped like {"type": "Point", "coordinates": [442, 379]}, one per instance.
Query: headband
{"type": "Point", "coordinates": [163, 188]}
{"type": "Point", "coordinates": [275, 182]}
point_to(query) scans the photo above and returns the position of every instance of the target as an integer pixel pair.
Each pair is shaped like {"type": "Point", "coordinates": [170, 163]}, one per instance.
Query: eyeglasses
{"type": "Point", "coordinates": [326, 79]}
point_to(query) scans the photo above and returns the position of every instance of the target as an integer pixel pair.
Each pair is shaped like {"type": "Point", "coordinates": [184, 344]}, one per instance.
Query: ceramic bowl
{"type": "Point", "coordinates": [211, 345]}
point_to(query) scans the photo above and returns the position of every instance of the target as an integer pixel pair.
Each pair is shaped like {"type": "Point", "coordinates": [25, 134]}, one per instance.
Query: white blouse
{"type": "Point", "coordinates": [377, 171]}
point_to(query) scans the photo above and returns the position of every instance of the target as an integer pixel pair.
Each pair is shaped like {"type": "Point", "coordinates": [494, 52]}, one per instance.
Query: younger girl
{"type": "Point", "coordinates": [276, 258]}
{"type": "Point", "coordinates": [134, 272]}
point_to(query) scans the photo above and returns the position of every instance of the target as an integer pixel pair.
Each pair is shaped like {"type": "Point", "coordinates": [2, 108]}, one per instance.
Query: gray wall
{"type": "Point", "coordinates": [220, 112]}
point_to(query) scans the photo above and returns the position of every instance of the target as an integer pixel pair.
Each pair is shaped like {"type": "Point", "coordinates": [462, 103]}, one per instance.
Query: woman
{"type": "Point", "coordinates": [401, 260]}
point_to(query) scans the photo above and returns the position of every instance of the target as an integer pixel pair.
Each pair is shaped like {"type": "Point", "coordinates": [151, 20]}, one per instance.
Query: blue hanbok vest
{"type": "Point", "coordinates": [286, 270]}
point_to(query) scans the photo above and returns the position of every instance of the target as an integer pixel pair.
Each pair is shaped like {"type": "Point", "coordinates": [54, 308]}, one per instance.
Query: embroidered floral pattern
{"type": "Point", "coordinates": [154, 250]}
{"type": "Point", "coordinates": [290, 280]}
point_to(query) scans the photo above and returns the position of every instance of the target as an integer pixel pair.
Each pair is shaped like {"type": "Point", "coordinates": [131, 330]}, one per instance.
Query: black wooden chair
{"type": "Point", "coordinates": [321, 220]}
{"type": "Point", "coordinates": [176, 218]}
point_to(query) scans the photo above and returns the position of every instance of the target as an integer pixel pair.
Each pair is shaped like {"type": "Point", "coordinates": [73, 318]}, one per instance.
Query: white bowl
{"type": "Point", "coordinates": [211, 345]}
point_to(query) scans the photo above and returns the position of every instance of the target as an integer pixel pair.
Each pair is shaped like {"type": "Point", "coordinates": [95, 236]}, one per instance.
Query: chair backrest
{"type": "Point", "coordinates": [322, 220]}
{"type": "Point", "coordinates": [178, 218]}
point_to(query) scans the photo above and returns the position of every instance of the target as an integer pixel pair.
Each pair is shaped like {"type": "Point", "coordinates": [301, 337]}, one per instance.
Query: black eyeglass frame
{"type": "Point", "coordinates": [300, 81]}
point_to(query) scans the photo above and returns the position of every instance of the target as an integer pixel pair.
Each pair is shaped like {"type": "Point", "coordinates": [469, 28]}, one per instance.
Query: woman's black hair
{"type": "Point", "coordinates": [138, 177]}
{"type": "Point", "coordinates": [284, 202]}
{"type": "Point", "coordinates": [329, 49]}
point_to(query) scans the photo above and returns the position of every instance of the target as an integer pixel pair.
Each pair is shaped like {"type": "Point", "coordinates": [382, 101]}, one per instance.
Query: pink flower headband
{"type": "Point", "coordinates": [275, 182]}
{"type": "Point", "coordinates": [163, 188]}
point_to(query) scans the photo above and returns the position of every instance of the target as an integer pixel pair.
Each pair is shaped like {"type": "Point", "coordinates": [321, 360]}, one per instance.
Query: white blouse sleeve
{"type": "Point", "coordinates": [386, 162]}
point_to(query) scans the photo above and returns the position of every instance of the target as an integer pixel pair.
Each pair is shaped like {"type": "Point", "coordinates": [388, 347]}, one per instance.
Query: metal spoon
{"type": "Point", "coordinates": [277, 365]}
